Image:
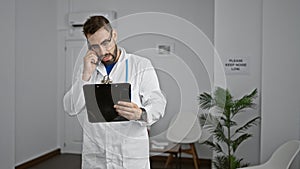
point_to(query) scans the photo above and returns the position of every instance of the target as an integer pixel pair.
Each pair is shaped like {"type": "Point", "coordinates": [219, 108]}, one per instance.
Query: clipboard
{"type": "Point", "coordinates": [100, 99]}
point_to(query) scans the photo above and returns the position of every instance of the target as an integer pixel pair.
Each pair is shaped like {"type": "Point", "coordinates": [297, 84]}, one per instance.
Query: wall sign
{"type": "Point", "coordinates": [237, 65]}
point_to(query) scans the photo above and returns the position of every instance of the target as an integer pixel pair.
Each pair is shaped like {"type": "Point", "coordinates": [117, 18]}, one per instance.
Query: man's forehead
{"type": "Point", "coordinates": [100, 35]}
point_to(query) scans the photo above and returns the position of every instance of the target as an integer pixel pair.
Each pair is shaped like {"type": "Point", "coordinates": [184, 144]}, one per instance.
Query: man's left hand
{"type": "Point", "coordinates": [129, 110]}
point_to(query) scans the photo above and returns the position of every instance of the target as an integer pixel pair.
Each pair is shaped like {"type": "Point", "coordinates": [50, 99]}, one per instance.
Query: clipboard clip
{"type": "Point", "coordinates": [106, 80]}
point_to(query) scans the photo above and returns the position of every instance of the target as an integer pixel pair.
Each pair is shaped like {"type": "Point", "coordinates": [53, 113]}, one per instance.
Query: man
{"type": "Point", "coordinates": [115, 144]}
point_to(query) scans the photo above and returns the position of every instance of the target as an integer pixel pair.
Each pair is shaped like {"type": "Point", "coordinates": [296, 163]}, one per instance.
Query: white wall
{"type": "Point", "coordinates": [280, 75]}
{"type": "Point", "coordinates": [36, 79]}
{"type": "Point", "coordinates": [238, 34]}
{"type": "Point", "coordinates": [7, 89]}
{"type": "Point", "coordinates": [197, 12]}
{"type": "Point", "coordinates": [268, 31]}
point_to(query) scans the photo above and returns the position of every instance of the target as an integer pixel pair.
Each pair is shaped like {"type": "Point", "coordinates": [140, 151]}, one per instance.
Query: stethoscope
{"type": "Point", "coordinates": [107, 80]}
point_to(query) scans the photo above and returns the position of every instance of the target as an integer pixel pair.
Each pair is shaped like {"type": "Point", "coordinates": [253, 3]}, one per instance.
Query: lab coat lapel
{"type": "Point", "coordinates": [117, 73]}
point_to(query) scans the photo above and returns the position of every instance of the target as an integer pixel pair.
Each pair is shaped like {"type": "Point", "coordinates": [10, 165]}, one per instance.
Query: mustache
{"type": "Point", "coordinates": [114, 56]}
{"type": "Point", "coordinates": [100, 57]}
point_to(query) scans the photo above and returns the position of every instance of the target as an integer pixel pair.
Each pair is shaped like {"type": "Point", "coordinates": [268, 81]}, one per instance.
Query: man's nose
{"type": "Point", "coordinates": [102, 50]}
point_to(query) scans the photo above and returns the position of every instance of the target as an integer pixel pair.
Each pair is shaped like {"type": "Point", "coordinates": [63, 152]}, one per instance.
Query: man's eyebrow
{"type": "Point", "coordinates": [105, 40]}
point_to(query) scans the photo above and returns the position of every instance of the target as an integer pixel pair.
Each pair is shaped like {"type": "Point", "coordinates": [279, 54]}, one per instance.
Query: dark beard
{"type": "Point", "coordinates": [114, 57]}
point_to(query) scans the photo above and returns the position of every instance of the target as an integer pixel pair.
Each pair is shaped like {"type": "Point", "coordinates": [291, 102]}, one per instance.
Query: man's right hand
{"type": "Point", "coordinates": [89, 66]}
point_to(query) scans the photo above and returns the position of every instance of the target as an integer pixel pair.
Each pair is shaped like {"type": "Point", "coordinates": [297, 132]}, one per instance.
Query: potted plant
{"type": "Point", "coordinates": [227, 133]}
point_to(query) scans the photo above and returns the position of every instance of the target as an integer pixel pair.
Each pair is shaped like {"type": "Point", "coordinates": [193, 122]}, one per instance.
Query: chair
{"type": "Point", "coordinates": [171, 149]}
{"type": "Point", "coordinates": [282, 157]}
{"type": "Point", "coordinates": [185, 129]}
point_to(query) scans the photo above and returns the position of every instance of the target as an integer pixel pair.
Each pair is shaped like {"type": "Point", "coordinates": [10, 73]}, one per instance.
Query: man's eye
{"type": "Point", "coordinates": [95, 47]}
{"type": "Point", "coordinates": [105, 43]}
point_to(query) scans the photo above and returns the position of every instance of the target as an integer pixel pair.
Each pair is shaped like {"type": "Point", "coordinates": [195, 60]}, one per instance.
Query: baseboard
{"type": "Point", "coordinates": [205, 162]}
{"type": "Point", "coordinates": [38, 160]}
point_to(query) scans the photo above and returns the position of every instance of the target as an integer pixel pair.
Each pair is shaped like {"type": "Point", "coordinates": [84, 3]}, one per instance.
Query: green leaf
{"type": "Point", "coordinates": [219, 134]}
{"type": "Point", "coordinates": [222, 97]}
{"type": "Point", "coordinates": [235, 143]}
{"type": "Point", "coordinates": [244, 102]}
{"type": "Point", "coordinates": [202, 119]}
{"type": "Point", "coordinates": [214, 146]}
{"type": "Point", "coordinates": [209, 121]}
{"type": "Point", "coordinates": [246, 126]}
{"type": "Point", "coordinates": [228, 122]}
{"type": "Point", "coordinates": [205, 101]}
{"type": "Point", "coordinates": [228, 162]}
{"type": "Point", "coordinates": [221, 162]}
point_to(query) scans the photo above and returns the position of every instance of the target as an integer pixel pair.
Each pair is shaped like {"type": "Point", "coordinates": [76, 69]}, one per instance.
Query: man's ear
{"type": "Point", "coordinates": [114, 35]}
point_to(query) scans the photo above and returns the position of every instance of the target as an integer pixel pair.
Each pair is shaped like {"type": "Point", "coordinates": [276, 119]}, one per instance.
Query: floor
{"type": "Point", "coordinates": [72, 161]}
{"type": "Point", "coordinates": [63, 161]}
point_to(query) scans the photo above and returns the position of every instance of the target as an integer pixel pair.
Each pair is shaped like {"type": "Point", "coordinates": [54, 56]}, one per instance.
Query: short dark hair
{"type": "Point", "coordinates": [94, 23]}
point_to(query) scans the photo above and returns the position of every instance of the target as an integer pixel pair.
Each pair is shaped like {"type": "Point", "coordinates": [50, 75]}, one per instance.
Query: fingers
{"type": "Point", "coordinates": [127, 104]}
{"type": "Point", "coordinates": [91, 57]}
{"type": "Point", "coordinates": [90, 60]}
{"type": "Point", "coordinates": [128, 110]}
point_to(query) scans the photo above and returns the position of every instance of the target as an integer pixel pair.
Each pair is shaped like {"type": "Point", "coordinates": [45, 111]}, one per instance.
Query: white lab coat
{"type": "Point", "coordinates": [119, 144]}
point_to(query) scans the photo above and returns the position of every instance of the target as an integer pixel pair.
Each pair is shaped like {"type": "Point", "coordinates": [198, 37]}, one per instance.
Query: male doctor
{"type": "Point", "coordinates": [114, 145]}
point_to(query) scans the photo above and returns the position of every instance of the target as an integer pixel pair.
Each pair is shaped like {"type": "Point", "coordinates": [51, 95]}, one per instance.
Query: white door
{"type": "Point", "coordinates": [73, 129]}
